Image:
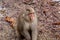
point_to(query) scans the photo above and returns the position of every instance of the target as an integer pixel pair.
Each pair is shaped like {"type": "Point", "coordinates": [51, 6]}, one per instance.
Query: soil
{"type": "Point", "coordinates": [48, 12]}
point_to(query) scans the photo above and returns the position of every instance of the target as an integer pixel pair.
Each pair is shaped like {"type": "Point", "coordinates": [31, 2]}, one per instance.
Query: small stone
{"type": "Point", "coordinates": [58, 11]}
{"type": "Point", "coordinates": [27, 1]}
{"type": "Point", "coordinates": [56, 0]}
{"type": "Point", "coordinates": [0, 8]}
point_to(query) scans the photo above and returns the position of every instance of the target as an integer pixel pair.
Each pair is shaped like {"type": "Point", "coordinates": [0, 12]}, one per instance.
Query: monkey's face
{"type": "Point", "coordinates": [29, 17]}
{"type": "Point", "coordinates": [30, 14]}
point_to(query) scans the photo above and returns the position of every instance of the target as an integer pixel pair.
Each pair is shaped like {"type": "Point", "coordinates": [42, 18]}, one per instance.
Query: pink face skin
{"type": "Point", "coordinates": [31, 16]}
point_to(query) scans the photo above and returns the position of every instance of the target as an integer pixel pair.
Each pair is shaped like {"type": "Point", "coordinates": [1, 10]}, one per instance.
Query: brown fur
{"type": "Point", "coordinates": [28, 28]}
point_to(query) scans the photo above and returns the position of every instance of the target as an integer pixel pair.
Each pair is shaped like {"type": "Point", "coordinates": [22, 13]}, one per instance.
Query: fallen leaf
{"type": "Point", "coordinates": [56, 23]}
{"type": "Point", "coordinates": [10, 20]}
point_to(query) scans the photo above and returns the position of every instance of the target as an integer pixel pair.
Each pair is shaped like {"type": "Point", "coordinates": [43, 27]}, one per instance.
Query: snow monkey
{"type": "Point", "coordinates": [27, 24]}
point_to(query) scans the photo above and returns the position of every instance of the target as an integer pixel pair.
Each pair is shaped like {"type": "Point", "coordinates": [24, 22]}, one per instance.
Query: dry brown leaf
{"type": "Point", "coordinates": [56, 23]}
{"type": "Point", "coordinates": [10, 20]}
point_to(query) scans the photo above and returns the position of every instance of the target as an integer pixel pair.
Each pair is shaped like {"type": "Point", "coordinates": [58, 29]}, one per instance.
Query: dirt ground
{"type": "Point", "coordinates": [48, 12]}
